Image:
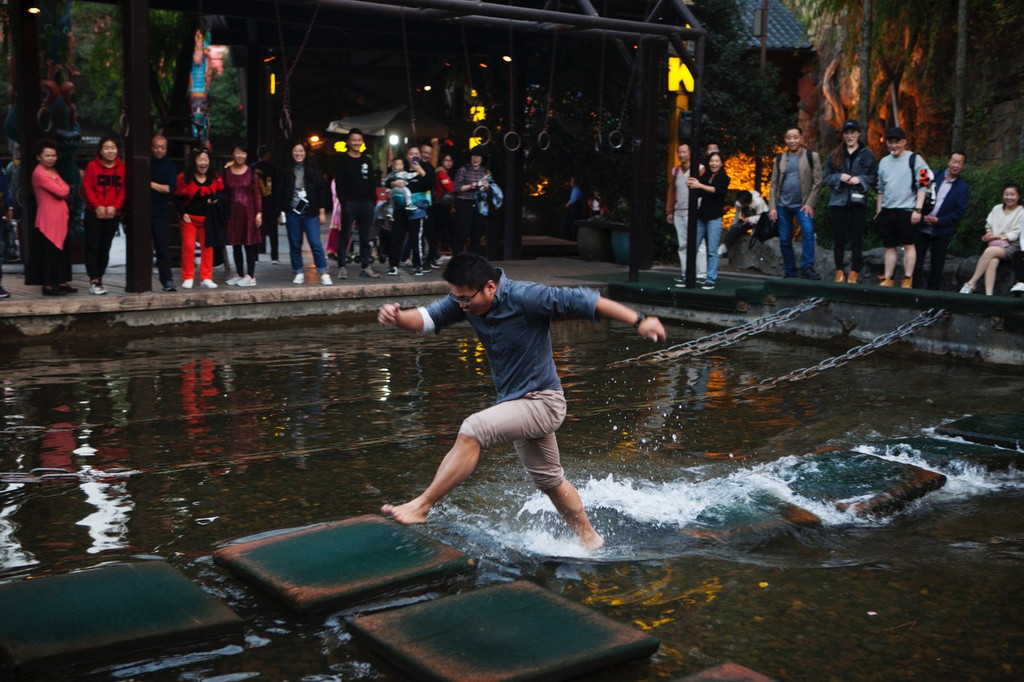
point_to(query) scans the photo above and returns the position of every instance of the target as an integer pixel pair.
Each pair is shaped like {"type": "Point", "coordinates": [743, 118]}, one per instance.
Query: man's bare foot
{"type": "Point", "coordinates": [592, 541]}
{"type": "Point", "coordinates": [407, 514]}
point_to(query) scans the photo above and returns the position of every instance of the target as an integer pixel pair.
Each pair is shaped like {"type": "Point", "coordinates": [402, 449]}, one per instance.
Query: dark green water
{"type": "Point", "coordinates": [184, 442]}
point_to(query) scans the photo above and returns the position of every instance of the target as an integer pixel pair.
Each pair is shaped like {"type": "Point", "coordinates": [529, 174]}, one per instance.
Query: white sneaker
{"type": "Point", "coordinates": [234, 280]}
{"type": "Point", "coordinates": [967, 289]}
{"type": "Point", "coordinates": [326, 280]}
{"type": "Point", "coordinates": [208, 284]}
{"type": "Point", "coordinates": [299, 279]}
{"type": "Point", "coordinates": [96, 288]}
{"type": "Point", "coordinates": [186, 284]}
{"type": "Point", "coordinates": [1017, 288]}
{"type": "Point", "coordinates": [247, 281]}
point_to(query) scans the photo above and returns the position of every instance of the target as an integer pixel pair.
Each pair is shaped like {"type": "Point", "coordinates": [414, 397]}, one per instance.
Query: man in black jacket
{"type": "Point", "coordinates": [355, 186]}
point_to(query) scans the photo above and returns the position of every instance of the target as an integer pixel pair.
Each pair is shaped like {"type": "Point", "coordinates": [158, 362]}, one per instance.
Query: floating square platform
{"type": "Point", "coordinates": [113, 610]}
{"type": "Point", "coordinates": [332, 565]}
{"type": "Point", "coordinates": [1002, 430]}
{"type": "Point", "coordinates": [515, 631]}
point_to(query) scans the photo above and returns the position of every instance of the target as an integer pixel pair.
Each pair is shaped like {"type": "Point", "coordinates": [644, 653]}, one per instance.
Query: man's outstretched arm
{"type": "Point", "coordinates": [649, 328]}
{"type": "Point", "coordinates": [392, 315]}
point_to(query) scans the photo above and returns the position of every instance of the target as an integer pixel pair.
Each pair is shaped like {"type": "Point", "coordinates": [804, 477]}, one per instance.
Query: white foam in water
{"type": "Point", "coordinates": [641, 517]}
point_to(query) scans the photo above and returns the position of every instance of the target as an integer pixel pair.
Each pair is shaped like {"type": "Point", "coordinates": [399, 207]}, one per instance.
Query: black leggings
{"type": "Point", "coordinates": [99, 235]}
{"type": "Point", "coordinates": [250, 256]}
{"type": "Point", "coordinates": [848, 222]}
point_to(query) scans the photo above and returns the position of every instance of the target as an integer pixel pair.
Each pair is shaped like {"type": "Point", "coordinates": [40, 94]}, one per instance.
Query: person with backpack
{"type": "Point", "coordinates": [903, 182]}
{"type": "Point", "coordinates": [796, 182]}
{"type": "Point", "coordinates": [850, 170]}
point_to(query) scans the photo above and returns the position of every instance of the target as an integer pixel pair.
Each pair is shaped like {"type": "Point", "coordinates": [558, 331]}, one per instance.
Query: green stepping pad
{"type": "Point", "coordinates": [864, 483]}
{"type": "Point", "coordinates": [1001, 430]}
{"type": "Point", "coordinates": [332, 565]}
{"type": "Point", "coordinates": [727, 672]}
{"type": "Point", "coordinates": [515, 631]}
{"type": "Point", "coordinates": [105, 612]}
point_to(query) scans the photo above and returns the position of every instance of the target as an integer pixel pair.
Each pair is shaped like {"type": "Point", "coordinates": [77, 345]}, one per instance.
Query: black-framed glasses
{"type": "Point", "coordinates": [466, 300]}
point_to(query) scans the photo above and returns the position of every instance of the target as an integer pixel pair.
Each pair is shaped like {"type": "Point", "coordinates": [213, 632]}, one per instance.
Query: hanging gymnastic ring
{"type": "Point", "coordinates": [485, 135]}
{"type": "Point", "coordinates": [616, 139]}
{"type": "Point", "coordinates": [45, 120]}
{"type": "Point", "coordinates": [543, 140]}
{"type": "Point", "coordinates": [512, 141]}
{"type": "Point", "coordinates": [124, 126]}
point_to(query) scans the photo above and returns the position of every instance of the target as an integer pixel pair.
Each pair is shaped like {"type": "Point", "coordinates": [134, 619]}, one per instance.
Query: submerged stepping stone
{"type": "Point", "coordinates": [944, 452]}
{"type": "Point", "coordinates": [331, 565]}
{"type": "Point", "coordinates": [726, 672]}
{"type": "Point", "coordinates": [862, 483]}
{"type": "Point", "coordinates": [515, 631]}
{"type": "Point", "coordinates": [99, 613]}
{"type": "Point", "coordinates": [762, 515]}
{"type": "Point", "coordinates": [1002, 430]}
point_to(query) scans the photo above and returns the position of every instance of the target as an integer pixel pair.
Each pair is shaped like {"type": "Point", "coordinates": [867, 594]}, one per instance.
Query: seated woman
{"type": "Point", "coordinates": [1002, 235]}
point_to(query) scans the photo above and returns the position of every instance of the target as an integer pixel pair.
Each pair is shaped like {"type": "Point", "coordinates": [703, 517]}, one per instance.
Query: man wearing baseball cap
{"type": "Point", "coordinates": [901, 195]}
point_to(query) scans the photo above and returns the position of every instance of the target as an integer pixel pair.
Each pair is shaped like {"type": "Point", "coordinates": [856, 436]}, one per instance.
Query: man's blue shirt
{"type": "Point", "coordinates": [515, 332]}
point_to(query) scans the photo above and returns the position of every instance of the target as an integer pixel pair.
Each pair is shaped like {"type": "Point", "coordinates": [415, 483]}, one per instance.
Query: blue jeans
{"type": "Point", "coordinates": [296, 225]}
{"type": "Point", "coordinates": [710, 230]}
{"type": "Point", "coordinates": [786, 215]}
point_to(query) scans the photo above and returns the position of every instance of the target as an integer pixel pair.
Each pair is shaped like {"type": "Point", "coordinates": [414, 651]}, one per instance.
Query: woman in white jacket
{"type": "Point", "coordinates": [1002, 235]}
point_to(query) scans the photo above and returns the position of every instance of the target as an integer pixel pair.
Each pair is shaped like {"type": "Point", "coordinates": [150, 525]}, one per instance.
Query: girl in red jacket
{"type": "Point", "coordinates": [103, 186]}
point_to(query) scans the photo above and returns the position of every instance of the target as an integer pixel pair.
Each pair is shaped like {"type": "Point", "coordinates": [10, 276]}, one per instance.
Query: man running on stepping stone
{"type": "Point", "coordinates": [512, 319]}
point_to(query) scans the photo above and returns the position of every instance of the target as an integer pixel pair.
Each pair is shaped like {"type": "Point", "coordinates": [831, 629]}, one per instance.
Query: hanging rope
{"type": "Point", "coordinates": [544, 137]}
{"type": "Point", "coordinates": [600, 97]}
{"type": "Point", "coordinates": [615, 138]}
{"type": "Point", "coordinates": [512, 140]}
{"type": "Point", "coordinates": [481, 131]}
{"type": "Point", "coordinates": [286, 91]}
{"type": "Point", "coordinates": [408, 77]}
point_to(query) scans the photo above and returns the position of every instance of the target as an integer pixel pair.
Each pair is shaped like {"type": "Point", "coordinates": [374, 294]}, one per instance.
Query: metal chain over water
{"type": "Point", "coordinates": [726, 337]}
{"type": "Point", "coordinates": [925, 319]}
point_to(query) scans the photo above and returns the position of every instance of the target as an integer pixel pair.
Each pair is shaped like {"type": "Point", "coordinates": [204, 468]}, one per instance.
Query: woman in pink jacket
{"type": "Point", "coordinates": [103, 185]}
{"type": "Point", "coordinates": [51, 194]}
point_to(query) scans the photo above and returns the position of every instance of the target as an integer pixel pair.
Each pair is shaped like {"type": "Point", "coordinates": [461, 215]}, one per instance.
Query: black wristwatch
{"type": "Point", "coordinates": [640, 317]}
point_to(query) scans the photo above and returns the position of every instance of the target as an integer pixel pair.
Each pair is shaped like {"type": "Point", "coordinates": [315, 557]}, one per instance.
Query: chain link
{"type": "Point", "coordinates": [726, 337]}
{"type": "Point", "coordinates": [925, 319]}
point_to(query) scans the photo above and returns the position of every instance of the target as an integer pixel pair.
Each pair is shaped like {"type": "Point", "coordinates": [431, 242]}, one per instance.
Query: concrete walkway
{"type": "Point", "coordinates": [27, 313]}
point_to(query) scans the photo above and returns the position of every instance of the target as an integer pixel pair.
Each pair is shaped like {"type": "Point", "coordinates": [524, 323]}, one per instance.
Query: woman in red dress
{"type": "Point", "coordinates": [244, 233]}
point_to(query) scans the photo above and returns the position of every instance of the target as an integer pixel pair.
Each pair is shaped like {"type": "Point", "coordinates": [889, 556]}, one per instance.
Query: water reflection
{"type": "Point", "coordinates": [180, 443]}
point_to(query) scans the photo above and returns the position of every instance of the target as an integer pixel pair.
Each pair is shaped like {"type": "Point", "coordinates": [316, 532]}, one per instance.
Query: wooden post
{"type": "Point", "coordinates": [25, 31]}
{"type": "Point", "coordinates": [135, 129]}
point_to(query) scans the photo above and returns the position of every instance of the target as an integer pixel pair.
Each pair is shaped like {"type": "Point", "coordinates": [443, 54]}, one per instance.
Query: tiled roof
{"type": "Point", "coordinates": [784, 31]}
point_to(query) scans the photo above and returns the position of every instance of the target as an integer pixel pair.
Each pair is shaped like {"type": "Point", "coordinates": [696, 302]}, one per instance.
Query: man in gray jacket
{"type": "Point", "coordinates": [796, 182]}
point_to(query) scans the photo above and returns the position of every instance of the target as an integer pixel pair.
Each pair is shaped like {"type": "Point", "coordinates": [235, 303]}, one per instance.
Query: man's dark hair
{"type": "Point", "coordinates": [356, 131]}
{"type": "Point", "coordinates": [469, 269]}
{"type": "Point", "coordinates": [960, 152]}
{"type": "Point", "coordinates": [793, 127]}
{"type": "Point", "coordinates": [745, 198]}
{"type": "Point", "coordinates": [262, 151]}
